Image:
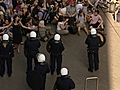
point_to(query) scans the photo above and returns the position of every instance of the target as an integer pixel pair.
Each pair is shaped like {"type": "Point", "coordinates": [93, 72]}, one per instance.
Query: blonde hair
{"type": "Point", "coordinates": [41, 23]}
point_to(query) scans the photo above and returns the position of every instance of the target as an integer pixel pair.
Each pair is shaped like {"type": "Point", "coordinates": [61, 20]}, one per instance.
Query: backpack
{"type": "Point", "coordinates": [45, 16]}
{"type": "Point", "coordinates": [72, 29]}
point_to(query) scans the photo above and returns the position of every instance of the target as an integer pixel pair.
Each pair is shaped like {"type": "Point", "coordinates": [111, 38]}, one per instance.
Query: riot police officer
{"type": "Point", "coordinates": [55, 48]}
{"type": "Point", "coordinates": [93, 41]}
{"type": "Point", "coordinates": [31, 48]}
{"type": "Point", "coordinates": [42, 68]}
{"type": "Point", "coordinates": [6, 54]}
{"type": "Point", "coordinates": [64, 82]}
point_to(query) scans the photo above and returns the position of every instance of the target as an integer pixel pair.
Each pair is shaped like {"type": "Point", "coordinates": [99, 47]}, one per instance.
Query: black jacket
{"type": "Point", "coordinates": [6, 52]}
{"type": "Point", "coordinates": [55, 48]}
{"type": "Point", "coordinates": [64, 83]}
{"type": "Point", "coordinates": [42, 69]}
{"type": "Point", "coordinates": [32, 47]}
{"type": "Point", "coordinates": [93, 42]}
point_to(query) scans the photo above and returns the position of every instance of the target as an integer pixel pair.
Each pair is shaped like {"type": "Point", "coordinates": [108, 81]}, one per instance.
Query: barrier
{"type": "Point", "coordinates": [92, 78]}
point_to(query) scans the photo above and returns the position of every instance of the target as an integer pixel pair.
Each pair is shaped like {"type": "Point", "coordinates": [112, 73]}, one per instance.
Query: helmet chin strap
{"type": "Point", "coordinates": [32, 38]}
{"type": "Point", "coordinates": [95, 35]}
{"type": "Point", "coordinates": [42, 63]}
{"type": "Point", "coordinates": [5, 41]}
{"type": "Point", "coordinates": [56, 41]}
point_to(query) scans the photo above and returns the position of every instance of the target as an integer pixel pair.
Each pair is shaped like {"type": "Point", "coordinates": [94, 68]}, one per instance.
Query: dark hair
{"type": "Point", "coordinates": [9, 19]}
{"type": "Point", "coordinates": [80, 11]}
{"type": "Point", "coordinates": [32, 1]}
{"type": "Point", "coordinates": [97, 11]}
{"type": "Point", "coordinates": [40, 4]}
{"type": "Point", "coordinates": [15, 17]}
{"type": "Point", "coordinates": [28, 19]}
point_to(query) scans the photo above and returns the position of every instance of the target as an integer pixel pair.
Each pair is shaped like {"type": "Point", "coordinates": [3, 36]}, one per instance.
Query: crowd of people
{"type": "Point", "coordinates": [28, 17]}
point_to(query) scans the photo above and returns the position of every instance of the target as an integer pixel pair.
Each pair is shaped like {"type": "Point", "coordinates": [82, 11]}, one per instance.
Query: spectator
{"type": "Point", "coordinates": [79, 6]}
{"type": "Point", "coordinates": [9, 29]}
{"type": "Point", "coordinates": [96, 20]}
{"type": "Point", "coordinates": [3, 4]}
{"type": "Point", "coordinates": [71, 11]}
{"type": "Point", "coordinates": [93, 4]}
{"type": "Point", "coordinates": [62, 26]}
{"type": "Point", "coordinates": [15, 12]}
{"type": "Point", "coordinates": [33, 4]}
{"type": "Point", "coordinates": [8, 4]}
{"type": "Point", "coordinates": [1, 18]}
{"type": "Point", "coordinates": [17, 36]}
{"type": "Point", "coordinates": [81, 20]}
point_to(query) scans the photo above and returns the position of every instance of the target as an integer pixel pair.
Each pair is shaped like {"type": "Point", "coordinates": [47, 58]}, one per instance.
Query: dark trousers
{"type": "Point", "coordinates": [9, 66]}
{"type": "Point", "coordinates": [93, 59]}
{"type": "Point", "coordinates": [43, 83]}
{"type": "Point", "coordinates": [94, 25]}
{"type": "Point", "coordinates": [53, 59]}
{"type": "Point", "coordinates": [29, 62]}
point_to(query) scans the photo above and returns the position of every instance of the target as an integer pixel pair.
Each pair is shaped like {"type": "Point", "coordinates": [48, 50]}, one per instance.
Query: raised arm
{"type": "Point", "coordinates": [6, 26]}
{"type": "Point", "coordinates": [22, 25]}
{"type": "Point", "coordinates": [30, 27]}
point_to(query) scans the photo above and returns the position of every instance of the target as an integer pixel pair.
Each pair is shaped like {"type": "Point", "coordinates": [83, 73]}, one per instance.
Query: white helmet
{"type": "Point", "coordinates": [57, 37]}
{"type": "Point", "coordinates": [32, 34]}
{"type": "Point", "coordinates": [93, 31]}
{"type": "Point", "coordinates": [5, 37]}
{"type": "Point", "coordinates": [64, 71]}
{"type": "Point", "coordinates": [41, 58]}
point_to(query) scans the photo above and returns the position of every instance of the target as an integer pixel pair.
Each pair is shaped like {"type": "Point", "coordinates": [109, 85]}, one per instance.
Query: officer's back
{"type": "Point", "coordinates": [55, 46]}
{"type": "Point", "coordinates": [6, 52]}
{"type": "Point", "coordinates": [93, 42]}
{"type": "Point", "coordinates": [32, 44]}
{"type": "Point", "coordinates": [64, 82]}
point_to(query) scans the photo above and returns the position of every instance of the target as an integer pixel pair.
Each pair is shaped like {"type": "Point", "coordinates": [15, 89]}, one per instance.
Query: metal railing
{"type": "Point", "coordinates": [91, 78]}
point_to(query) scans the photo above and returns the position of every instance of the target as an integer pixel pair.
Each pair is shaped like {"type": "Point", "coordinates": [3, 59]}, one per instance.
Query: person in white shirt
{"type": "Point", "coordinates": [62, 26]}
{"type": "Point", "coordinates": [79, 6]}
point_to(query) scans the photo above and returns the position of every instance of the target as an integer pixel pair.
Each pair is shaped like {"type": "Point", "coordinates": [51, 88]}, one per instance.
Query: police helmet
{"type": "Point", "coordinates": [5, 37]}
{"type": "Point", "coordinates": [64, 71]}
{"type": "Point", "coordinates": [57, 37]}
{"type": "Point", "coordinates": [93, 31]}
{"type": "Point", "coordinates": [41, 58]}
{"type": "Point", "coordinates": [33, 34]}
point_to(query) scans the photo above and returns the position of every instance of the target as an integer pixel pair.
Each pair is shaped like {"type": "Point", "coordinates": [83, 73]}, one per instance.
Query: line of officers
{"type": "Point", "coordinates": [55, 47]}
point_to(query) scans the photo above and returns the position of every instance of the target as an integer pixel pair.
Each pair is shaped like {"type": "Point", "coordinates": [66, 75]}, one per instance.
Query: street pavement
{"type": "Point", "coordinates": [75, 59]}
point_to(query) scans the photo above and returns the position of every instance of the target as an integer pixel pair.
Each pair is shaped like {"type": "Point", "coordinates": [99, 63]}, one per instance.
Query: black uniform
{"type": "Point", "coordinates": [64, 83]}
{"type": "Point", "coordinates": [93, 42]}
{"type": "Point", "coordinates": [6, 54]}
{"type": "Point", "coordinates": [55, 49]}
{"type": "Point", "coordinates": [31, 46]}
{"type": "Point", "coordinates": [43, 69]}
